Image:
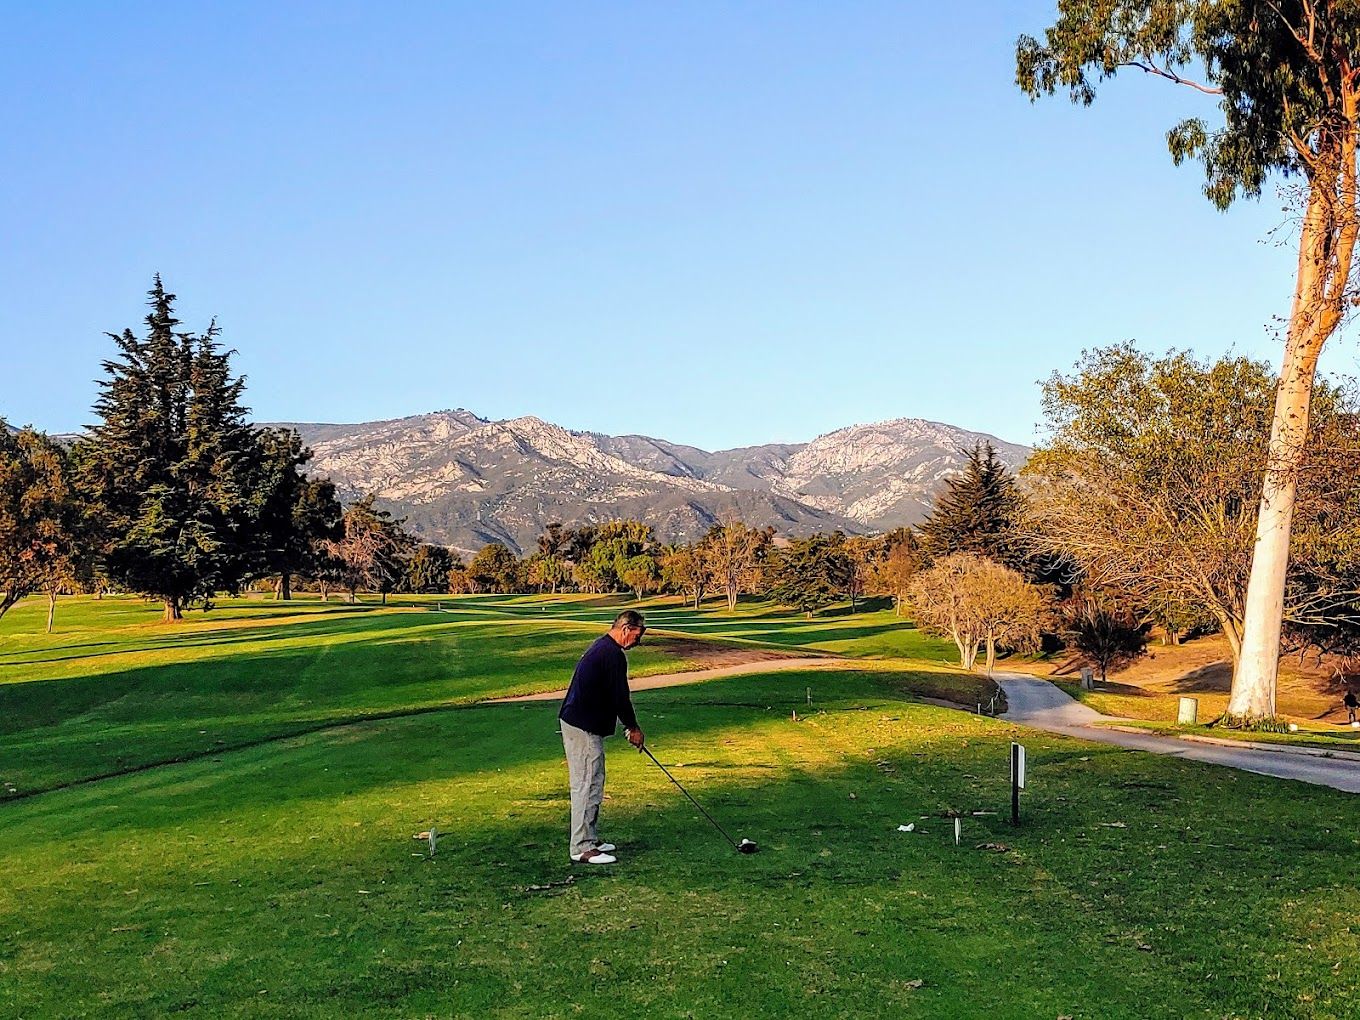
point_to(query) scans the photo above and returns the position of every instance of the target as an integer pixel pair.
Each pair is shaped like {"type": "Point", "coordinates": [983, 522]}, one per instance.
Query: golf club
{"type": "Point", "coordinates": [746, 846]}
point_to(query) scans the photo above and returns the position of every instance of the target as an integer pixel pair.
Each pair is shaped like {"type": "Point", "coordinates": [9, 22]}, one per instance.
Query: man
{"type": "Point", "coordinates": [596, 701]}
{"type": "Point", "coordinates": [1351, 704]}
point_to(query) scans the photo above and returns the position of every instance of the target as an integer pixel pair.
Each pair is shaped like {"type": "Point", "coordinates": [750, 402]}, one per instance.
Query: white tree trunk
{"type": "Point", "coordinates": [1315, 314]}
{"type": "Point", "coordinates": [963, 650]}
{"type": "Point", "coordinates": [1253, 690]}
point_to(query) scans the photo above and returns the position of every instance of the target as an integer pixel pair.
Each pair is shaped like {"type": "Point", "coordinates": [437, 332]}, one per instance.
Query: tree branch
{"type": "Point", "coordinates": [1148, 67]}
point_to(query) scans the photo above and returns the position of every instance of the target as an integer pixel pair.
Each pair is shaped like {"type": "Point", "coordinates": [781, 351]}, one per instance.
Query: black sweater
{"type": "Point", "coordinates": [599, 691]}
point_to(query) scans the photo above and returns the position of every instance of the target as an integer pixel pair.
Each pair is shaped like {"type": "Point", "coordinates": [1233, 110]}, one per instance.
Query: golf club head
{"type": "Point", "coordinates": [746, 846]}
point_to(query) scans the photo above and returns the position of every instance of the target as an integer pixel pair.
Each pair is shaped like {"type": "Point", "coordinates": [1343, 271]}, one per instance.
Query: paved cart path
{"type": "Point", "coordinates": [1038, 703]}
{"type": "Point", "coordinates": [1042, 705]}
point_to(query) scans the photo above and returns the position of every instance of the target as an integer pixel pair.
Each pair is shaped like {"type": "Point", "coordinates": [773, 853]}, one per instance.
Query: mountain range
{"type": "Point", "coordinates": [462, 480]}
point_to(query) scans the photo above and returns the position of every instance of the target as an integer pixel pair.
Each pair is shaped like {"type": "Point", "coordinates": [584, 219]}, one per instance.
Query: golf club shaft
{"type": "Point", "coordinates": [646, 750]}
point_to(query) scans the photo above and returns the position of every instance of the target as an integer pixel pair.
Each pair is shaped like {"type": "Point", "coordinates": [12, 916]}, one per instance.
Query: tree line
{"type": "Point", "coordinates": [173, 495]}
{"type": "Point", "coordinates": [1138, 511]}
{"type": "Point", "coordinates": [1136, 515]}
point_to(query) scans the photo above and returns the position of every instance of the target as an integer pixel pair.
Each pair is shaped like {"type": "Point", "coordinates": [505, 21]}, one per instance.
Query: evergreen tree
{"type": "Point", "coordinates": [494, 569]}
{"type": "Point", "coordinates": [978, 512]}
{"type": "Point", "coordinates": [428, 570]}
{"type": "Point", "coordinates": [296, 513]}
{"type": "Point", "coordinates": [170, 465]}
{"type": "Point", "coordinates": [809, 574]}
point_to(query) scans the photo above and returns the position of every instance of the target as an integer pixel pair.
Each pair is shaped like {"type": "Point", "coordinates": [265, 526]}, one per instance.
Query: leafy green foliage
{"type": "Point", "coordinates": [37, 520]}
{"type": "Point", "coordinates": [428, 569]}
{"type": "Point", "coordinates": [809, 573]}
{"type": "Point", "coordinates": [494, 569]}
{"type": "Point", "coordinates": [978, 512]}
{"type": "Point", "coordinates": [297, 515]}
{"type": "Point", "coordinates": [1151, 476]}
{"type": "Point", "coordinates": [1278, 70]}
{"type": "Point", "coordinates": [169, 468]}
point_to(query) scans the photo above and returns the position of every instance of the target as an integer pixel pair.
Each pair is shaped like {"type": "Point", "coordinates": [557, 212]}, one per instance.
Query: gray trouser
{"type": "Point", "coordinates": [585, 767]}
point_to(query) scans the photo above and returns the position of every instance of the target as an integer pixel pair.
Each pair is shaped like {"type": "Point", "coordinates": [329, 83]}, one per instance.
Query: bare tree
{"type": "Point", "coordinates": [732, 554]}
{"type": "Point", "coordinates": [1150, 476]}
{"type": "Point", "coordinates": [978, 602]}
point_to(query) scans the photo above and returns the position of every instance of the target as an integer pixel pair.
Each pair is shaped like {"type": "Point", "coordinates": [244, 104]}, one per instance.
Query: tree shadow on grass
{"type": "Point", "coordinates": [1212, 678]}
{"type": "Point", "coordinates": [172, 640]}
{"type": "Point", "coordinates": [66, 730]}
{"type": "Point", "coordinates": [832, 870]}
{"type": "Point", "coordinates": [766, 697]}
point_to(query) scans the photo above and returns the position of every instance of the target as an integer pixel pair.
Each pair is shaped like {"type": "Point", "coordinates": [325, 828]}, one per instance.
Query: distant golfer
{"type": "Point", "coordinates": [1351, 705]}
{"type": "Point", "coordinates": [596, 701]}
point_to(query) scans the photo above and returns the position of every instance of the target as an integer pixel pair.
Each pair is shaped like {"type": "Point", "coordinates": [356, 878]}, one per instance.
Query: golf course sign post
{"type": "Point", "coordinates": [1017, 779]}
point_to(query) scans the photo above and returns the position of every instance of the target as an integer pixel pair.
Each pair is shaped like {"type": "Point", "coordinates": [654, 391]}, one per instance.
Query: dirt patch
{"type": "Point", "coordinates": [713, 655]}
{"type": "Point", "coordinates": [1203, 668]}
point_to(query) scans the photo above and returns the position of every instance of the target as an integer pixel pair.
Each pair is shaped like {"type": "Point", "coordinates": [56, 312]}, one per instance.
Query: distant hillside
{"type": "Point", "coordinates": [462, 480]}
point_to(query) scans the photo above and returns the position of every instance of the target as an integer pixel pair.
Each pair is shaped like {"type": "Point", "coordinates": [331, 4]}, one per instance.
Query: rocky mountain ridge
{"type": "Point", "coordinates": [463, 480]}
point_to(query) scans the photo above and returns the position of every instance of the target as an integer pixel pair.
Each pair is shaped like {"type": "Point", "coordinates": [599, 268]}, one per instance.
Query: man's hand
{"type": "Point", "coordinates": [636, 738]}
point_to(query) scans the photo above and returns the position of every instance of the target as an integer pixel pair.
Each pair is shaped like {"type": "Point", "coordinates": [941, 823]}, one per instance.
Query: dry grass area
{"type": "Point", "coordinates": [1150, 688]}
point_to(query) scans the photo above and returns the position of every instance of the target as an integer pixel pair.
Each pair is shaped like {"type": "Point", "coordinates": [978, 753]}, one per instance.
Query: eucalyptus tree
{"type": "Point", "coordinates": [1286, 78]}
{"type": "Point", "coordinates": [732, 554]}
{"type": "Point", "coordinates": [684, 570]}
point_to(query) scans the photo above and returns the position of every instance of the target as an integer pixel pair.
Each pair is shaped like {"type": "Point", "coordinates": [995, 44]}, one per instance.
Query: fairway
{"type": "Point", "coordinates": [280, 878]}
{"type": "Point", "coordinates": [114, 690]}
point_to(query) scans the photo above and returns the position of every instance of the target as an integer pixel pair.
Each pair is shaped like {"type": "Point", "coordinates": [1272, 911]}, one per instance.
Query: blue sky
{"type": "Point", "coordinates": [722, 224]}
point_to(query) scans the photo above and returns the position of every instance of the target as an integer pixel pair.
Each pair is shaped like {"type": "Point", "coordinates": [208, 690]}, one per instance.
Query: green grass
{"type": "Point", "coordinates": [114, 689]}
{"type": "Point", "coordinates": [1322, 741]}
{"type": "Point", "coordinates": [281, 880]}
{"type": "Point", "coordinates": [873, 632]}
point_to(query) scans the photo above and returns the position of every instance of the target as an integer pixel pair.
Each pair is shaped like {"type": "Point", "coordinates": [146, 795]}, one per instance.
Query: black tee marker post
{"type": "Point", "coordinates": [1017, 779]}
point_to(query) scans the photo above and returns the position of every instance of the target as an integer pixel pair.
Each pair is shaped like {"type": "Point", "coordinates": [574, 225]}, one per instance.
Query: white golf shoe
{"type": "Point", "coordinates": [594, 857]}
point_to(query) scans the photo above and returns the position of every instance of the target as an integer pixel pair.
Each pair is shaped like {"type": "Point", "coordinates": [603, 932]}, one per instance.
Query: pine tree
{"type": "Point", "coordinates": [296, 513]}
{"type": "Point", "coordinates": [810, 573]}
{"type": "Point", "coordinates": [978, 512]}
{"type": "Point", "coordinates": [169, 466]}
